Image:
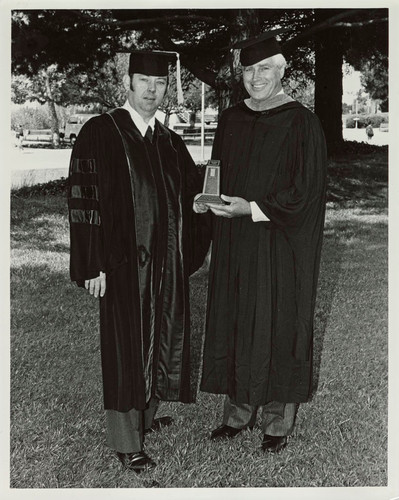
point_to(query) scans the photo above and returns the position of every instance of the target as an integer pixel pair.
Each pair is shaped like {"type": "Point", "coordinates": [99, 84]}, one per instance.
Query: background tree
{"type": "Point", "coordinates": [374, 79]}
{"type": "Point", "coordinates": [97, 90]}
{"type": "Point", "coordinates": [368, 53]}
{"type": "Point", "coordinates": [317, 41]}
{"type": "Point", "coordinates": [102, 85]}
{"type": "Point", "coordinates": [192, 89]}
{"type": "Point", "coordinates": [54, 52]}
{"type": "Point", "coordinates": [48, 86]}
{"type": "Point", "coordinates": [30, 118]}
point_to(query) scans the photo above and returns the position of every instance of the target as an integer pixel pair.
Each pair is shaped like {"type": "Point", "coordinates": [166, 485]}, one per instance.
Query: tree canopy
{"type": "Point", "coordinates": [316, 42]}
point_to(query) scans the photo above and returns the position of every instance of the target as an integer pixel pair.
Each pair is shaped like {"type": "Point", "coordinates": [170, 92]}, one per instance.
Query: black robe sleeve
{"type": "Point", "coordinates": [87, 196]}
{"type": "Point", "coordinates": [296, 208]}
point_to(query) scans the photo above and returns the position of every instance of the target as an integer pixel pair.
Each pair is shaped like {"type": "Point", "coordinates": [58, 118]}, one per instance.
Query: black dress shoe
{"type": "Point", "coordinates": [224, 432]}
{"type": "Point", "coordinates": [274, 444]}
{"type": "Point", "coordinates": [158, 423]}
{"type": "Point", "coordinates": [137, 462]}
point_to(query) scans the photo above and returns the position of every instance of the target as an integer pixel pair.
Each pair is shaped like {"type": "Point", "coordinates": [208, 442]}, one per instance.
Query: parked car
{"type": "Point", "coordinates": [384, 127]}
{"type": "Point", "coordinates": [74, 124]}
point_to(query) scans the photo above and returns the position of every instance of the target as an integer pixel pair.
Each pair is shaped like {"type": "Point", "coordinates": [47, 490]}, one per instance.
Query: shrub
{"type": "Point", "coordinates": [348, 149]}
{"type": "Point", "coordinates": [30, 118]}
{"type": "Point", "coordinates": [363, 120]}
{"type": "Point", "coordinates": [58, 187]}
{"type": "Point", "coordinates": [47, 145]}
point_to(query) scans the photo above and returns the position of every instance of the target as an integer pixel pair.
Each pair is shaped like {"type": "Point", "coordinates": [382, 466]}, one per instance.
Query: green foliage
{"type": "Point", "coordinates": [51, 188]}
{"type": "Point", "coordinates": [301, 89]}
{"type": "Point", "coordinates": [20, 89]}
{"type": "Point", "coordinates": [30, 118]}
{"type": "Point", "coordinates": [102, 85]}
{"type": "Point", "coordinates": [346, 108]}
{"type": "Point", "coordinates": [362, 102]}
{"type": "Point", "coordinates": [37, 117]}
{"type": "Point", "coordinates": [363, 121]}
{"type": "Point", "coordinates": [42, 38]}
{"type": "Point", "coordinates": [81, 41]}
{"type": "Point", "coordinates": [192, 89]}
{"type": "Point", "coordinates": [193, 96]}
{"type": "Point", "coordinates": [48, 84]}
{"type": "Point", "coordinates": [99, 90]}
{"type": "Point", "coordinates": [368, 53]}
{"type": "Point", "coordinates": [204, 35]}
{"type": "Point", "coordinates": [374, 79]}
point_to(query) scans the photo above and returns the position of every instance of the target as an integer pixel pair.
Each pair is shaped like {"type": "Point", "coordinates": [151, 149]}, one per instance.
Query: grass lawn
{"type": "Point", "coordinates": [57, 421]}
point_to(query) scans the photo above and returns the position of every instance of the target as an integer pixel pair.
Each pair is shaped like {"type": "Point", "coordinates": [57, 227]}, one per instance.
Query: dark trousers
{"type": "Point", "coordinates": [277, 419]}
{"type": "Point", "coordinates": [125, 430]}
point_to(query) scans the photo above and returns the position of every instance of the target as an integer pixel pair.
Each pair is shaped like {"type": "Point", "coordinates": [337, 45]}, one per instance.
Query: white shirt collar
{"type": "Point", "coordinates": [138, 120]}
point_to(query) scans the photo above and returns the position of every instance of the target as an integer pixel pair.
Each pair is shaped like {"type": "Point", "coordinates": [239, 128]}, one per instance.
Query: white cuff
{"type": "Point", "coordinates": [257, 214]}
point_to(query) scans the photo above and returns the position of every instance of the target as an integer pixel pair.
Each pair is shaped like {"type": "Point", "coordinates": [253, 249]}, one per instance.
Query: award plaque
{"type": "Point", "coordinates": [211, 190]}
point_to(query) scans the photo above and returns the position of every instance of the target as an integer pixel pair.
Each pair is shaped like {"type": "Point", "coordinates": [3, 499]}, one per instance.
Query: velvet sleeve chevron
{"type": "Point", "coordinates": [87, 258]}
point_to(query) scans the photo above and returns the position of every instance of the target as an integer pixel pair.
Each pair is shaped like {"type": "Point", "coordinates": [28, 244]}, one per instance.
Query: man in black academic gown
{"type": "Point", "coordinates": [134, 243]}
{"type": "Point", "coordinates": [265, 252]}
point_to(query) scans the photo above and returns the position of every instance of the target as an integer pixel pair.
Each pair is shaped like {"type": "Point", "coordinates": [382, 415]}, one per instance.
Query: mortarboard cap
{"type": "Point", "coordinates": [156, 63]}
{"type": "Point", "coordinates": [258, 48]}
{"type": "Point", "coordinates": [150, 62]}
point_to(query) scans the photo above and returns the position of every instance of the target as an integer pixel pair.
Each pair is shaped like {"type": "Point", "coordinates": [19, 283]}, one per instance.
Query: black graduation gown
{"type": "Point", "coordinates": [132, 218]}
{"type": "Point", "coordinates": [263, 276]}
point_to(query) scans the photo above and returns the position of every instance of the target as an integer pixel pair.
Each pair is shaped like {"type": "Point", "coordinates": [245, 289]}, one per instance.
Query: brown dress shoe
{"type": "Point", "coordinates": [158, 423]}
{"type": "Point", "coordinates": [224, 432]}
{"type": "Point", "coordinates": [137, 462]}
{"type": "Point", "coordinates": [273, 444]}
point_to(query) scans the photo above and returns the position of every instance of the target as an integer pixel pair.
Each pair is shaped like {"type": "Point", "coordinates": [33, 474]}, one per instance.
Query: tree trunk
{"type": "Point", "coordinates": [328, 83]}
{"type": "Point", "coordinates": [54, 124]}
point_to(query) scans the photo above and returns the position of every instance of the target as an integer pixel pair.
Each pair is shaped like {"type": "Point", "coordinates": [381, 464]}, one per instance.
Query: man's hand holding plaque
{"type": "Point", "coordinates": [210, 198]}
{"type": "Point", "coordinates": [211, 189]}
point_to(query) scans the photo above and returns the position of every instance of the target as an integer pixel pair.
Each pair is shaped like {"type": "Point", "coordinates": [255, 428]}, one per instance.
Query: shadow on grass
{"type": "Point", "coordinates": [198, 297]}
{"type": "Point", "coordinates": [331, 263]}
{"type": "Point", "coordinates": [360, 180]}
{"type": "Point", "coordinates": [45, 229]}
{"type": "Point", "coordinates": [339, 235]}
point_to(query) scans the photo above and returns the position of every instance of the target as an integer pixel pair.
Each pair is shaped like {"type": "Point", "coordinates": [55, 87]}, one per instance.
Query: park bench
{"type": "Point", "coordinates": [38, 135]}
{"type": "Point", "coordinates": [197, 136]}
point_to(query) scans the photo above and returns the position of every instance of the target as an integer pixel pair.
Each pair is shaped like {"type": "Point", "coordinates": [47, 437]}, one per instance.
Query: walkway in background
{"type": "Point", "coordinates": [34, 166]}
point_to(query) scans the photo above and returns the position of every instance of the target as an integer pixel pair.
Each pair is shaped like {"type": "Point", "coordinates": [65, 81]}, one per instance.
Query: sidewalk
{"type": "Point", "coordinates": [34, 166]}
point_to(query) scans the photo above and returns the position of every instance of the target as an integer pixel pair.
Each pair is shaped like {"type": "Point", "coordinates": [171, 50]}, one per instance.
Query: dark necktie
{"type": "Point", "coordinates": [148, 134]}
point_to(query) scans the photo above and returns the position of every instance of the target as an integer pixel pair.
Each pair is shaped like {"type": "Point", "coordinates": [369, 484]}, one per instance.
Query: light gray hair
{"type": "Point", "coordinates": [279, 60]}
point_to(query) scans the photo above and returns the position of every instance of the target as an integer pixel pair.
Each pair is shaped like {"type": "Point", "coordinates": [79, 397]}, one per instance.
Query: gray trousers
{"type": "Point", "coordinates": [277, 418]}
{"type": "Point", "coordinates": [125, 430]}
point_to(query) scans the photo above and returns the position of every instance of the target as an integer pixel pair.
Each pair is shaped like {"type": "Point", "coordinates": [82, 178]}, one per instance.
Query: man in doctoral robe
{"type": "Point", "coordinates": [134, 244]}
{"type": "Point", "coordinates": [265, 252]}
